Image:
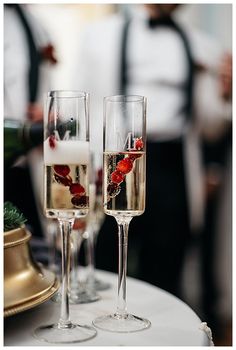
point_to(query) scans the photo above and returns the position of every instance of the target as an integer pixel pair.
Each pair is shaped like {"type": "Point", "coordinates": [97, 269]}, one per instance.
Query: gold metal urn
{"type": "Point", "coordinates": [26, 283]}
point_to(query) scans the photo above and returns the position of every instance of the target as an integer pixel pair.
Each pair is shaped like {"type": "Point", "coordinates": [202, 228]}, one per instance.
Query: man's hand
{"type": "Point", "coordinates": [35, 112]}
{"type": "Point", "coordinates": [225, 76]}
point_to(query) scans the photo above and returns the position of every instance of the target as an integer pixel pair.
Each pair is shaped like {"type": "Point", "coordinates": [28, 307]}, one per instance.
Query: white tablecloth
{"type": "Point", "coordinates": [173, 322]}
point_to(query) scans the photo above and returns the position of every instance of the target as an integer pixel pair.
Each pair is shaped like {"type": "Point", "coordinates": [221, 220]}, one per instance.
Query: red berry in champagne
{"type": "Point", "coordinates": [76, 188]}
{"type": "Point", "coordinates": [80, 201]}
{"type": "Point", "coordinates": [125, 165]}
{"type": "Point", "coordinates": [113, 189]}
{"type": "Point", "coordinates": [52, 141]}
{"type": "Point", "coordinates": [117, 177]}
{"type": "Point", "coordinates": [66, 181]}
{"type": "Point", "coordinates": [134, 156]}
{"type": "Point", "coordinates": [62, 170]}
{"type": "Point", "coordinates": [138, 144]}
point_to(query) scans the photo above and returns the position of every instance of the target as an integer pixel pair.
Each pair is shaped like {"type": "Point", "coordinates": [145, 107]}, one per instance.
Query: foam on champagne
{"type": "Point", "coordinates": [66, 152]}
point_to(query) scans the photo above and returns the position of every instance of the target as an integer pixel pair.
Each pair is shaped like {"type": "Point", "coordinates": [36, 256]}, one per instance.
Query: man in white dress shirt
{"type": "Point", "coordinates": [28, 55]}
{"type": "Point", "coordinates": [177, 69]}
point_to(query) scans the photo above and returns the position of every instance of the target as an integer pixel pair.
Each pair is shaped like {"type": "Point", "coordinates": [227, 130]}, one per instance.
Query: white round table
{"type": "Point", "coordinates": [173, 322]}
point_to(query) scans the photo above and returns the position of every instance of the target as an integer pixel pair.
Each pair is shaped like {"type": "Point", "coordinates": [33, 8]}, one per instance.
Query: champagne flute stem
{"type": "Point", "coordinates": [65, 228]}
{"type": "Point", "coordinates": [90, 258]}
{"type": "Point", "coordinates": [95, 238]}
{"type": "Point", "coordinates": [77, 240]}
{"type": "Point", "coordinates": [123, 228]}
{"type": "Point", "coordinates": [52, 238]}
{"type": "Point", "coordinates": [74, 262]}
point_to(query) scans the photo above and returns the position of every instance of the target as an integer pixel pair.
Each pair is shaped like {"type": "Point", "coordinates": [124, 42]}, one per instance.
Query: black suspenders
{"type": "Point", "coordinates": [123, 62]}
{"type": "Point", "coordinates": [33, 54]}
{"type": "Point", "coordinates": [188, 108]}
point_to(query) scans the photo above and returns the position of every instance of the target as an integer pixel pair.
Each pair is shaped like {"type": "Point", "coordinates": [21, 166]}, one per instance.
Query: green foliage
{"type": "Point", "coordinates": [13, 218]}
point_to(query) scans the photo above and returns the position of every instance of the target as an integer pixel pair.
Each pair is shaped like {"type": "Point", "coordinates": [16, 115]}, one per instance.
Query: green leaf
{"type": "Point", "coordinates": [13, 218]}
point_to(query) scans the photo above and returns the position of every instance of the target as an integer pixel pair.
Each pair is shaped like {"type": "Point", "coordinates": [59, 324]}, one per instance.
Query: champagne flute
{"type": "Point", "coordinates": [52, 232]}
{"type": "Point", "coordinates": [88, 227]}
{"type": "Point", "coordinates": [66, 182]}
{"type": "Point", "coordinates": [95, 219]}
{"type": "Point", "coordinates": [82, 292]}
{"type": "Point", "coordinates": [124, 165]}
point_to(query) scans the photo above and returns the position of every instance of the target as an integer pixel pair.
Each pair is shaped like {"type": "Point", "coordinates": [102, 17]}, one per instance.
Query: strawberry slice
{"type": "Point", "coordinates": [76, 188]}
{"type": "Point", "coordinates": [62, 170]}
{"type": "Point", "coordinates": [117, 177]}
{"type": "Point", "coordinates": [125, 165]}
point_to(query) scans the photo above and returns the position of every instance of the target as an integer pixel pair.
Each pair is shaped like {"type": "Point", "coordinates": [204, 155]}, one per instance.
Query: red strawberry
{"type": "Point", "coordinates": [52, 141]}
{"type": "Point", "coordinates": [66, 181]}
{"type": "Point", "coordinates": [138, 144]}
{"type": "Point", "coordinates": [76, 188]}
{"type": "Point", "coordinates": [125, 165]}
{"type": "Point", "coordinates": [117, 177]}
{"type": "Point", "coordinates": [62, 170]}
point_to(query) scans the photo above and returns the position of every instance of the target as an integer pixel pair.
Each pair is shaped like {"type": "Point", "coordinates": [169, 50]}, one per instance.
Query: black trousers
{"type": "Point", "coordinates": [157, 239]}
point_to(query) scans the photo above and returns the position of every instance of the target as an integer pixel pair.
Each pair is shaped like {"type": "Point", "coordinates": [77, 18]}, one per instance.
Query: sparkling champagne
{"type": "Point", "coordinates": [66, 178]}
{"type": "Point", "coordinates": [124, 183]}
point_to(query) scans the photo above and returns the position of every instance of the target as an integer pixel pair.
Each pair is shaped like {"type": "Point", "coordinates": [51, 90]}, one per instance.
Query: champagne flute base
{"type": "Point", "coordinates": [54, 334]}
{"type": "Point", "coordinates": [101, 285]}
{"type": "Point", "coordinates": [78, 298]}
{"type": "Point", "coordinates": [121, 324]}
{"type": "Point", "coordinates": [83, 298]}
{"type": "Point", "coordinates": [56, 298]}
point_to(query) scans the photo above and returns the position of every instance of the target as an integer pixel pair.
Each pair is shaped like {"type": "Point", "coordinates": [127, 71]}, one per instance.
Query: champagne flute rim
{"type": "Point", "coordinates": [124, 98]}
{"type": "Point", "coordinates": [68, 94]}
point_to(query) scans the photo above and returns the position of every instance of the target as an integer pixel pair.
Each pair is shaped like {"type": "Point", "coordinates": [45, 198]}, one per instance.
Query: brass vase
{"type": "Point", "coordinates": [26, 283]}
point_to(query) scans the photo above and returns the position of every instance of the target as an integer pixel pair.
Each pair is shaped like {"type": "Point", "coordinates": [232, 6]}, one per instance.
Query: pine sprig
{"type": "Point", "coordinates": [13, 218]}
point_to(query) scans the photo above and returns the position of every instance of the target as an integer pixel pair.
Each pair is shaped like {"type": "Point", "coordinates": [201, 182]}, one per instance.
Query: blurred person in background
{"type": "Point", "coordinates": [187, 79]}
{"type": "Point", "coordinates": [216, 156]}
{"type": "Point", "coordinates": [28, 57]}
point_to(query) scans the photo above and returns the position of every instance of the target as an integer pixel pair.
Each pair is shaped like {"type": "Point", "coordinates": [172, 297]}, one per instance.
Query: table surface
{"type": "Point", "coordinates": [174, 323]}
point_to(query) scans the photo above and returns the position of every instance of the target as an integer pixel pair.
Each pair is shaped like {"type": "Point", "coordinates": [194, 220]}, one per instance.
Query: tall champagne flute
{"type": "Point", "coordinates": [66, 197]}
{"type": "Point", "coordinates": [82, 292]}
{"type": "Point", "coordinates": [124, 165]}
{"type": "Point", "coordinates": [95, 219]}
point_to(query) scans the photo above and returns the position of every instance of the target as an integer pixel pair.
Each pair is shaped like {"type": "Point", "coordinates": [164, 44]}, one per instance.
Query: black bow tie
{"type": "Point", "coordinates": [162, 21]}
